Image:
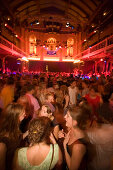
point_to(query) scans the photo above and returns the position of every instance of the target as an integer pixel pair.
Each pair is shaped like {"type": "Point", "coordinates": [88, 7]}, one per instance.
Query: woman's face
{"type": "Point", "coordinates": [68, 119]}
{"type": "Point", "coordinates": [51, 98]}
{"type": "Point", "coordinates": [43, 111]}
{"type": "Point", "coordinates": [92, 92]}
{"type": "Point", "coordinates": [22, 115]}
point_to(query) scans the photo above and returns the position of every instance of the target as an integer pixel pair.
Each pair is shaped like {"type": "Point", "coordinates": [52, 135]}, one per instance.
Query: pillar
{"type": "Point", "coordinates": [3, 65]}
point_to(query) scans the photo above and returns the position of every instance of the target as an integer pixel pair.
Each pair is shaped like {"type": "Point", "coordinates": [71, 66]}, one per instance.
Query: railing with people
{"type": "Point", "coordinates": [10, 47]}
{"type": "Point", "coordinates": [102, 46]}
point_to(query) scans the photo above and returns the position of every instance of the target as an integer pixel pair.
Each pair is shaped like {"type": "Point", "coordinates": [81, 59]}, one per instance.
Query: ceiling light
{"type": "Point", "coordinates": [92, 26]}
{"type": "Point", "coordinates": [104, 13]}
{"type": "Point", "coordinates": [95, 31]}
{"type": "Point", "coordinates": [8, 19]}
{"type": "Point", "coordinates": [85, 40]}
{"type": "Point", "coordinates": [5, 25]}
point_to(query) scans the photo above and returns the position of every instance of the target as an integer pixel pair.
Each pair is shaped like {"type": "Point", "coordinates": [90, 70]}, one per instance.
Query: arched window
{"type": "Point", "coordinates": [32, 44]}
{"type": "Point", "coordinates": [70, 43]}
{"type": "Point", "coordinates": [51, 44]}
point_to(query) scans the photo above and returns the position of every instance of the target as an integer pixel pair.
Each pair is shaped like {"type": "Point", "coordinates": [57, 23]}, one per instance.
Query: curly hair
{"type": "Point", "coordinates": [39, 130]}
{"type": "Point", "coordinates": [10, 122]}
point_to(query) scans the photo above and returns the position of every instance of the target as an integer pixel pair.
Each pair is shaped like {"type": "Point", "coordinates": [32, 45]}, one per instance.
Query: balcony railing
{"type": "Point", "coordinates": [102, 47]}
{"type": "Point", "coordinates": [11, 48]}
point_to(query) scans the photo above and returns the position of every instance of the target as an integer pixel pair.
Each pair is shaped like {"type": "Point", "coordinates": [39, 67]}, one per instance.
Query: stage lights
{"type": "Point", "coordinates": [69, 25]}
{"type": "Point", "coordinates": [36, 22]}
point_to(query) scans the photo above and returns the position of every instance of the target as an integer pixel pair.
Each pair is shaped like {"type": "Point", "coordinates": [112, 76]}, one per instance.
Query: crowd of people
{"type": "Point", "coordinates": [55, 121]}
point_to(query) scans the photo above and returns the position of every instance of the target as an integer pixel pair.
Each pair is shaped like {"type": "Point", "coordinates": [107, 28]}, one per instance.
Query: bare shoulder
{"type": "Point", "coordinates": [79, 147]}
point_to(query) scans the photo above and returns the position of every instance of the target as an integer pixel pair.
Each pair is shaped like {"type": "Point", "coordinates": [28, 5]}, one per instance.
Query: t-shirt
{"type": "Point", "coordinates": [100, 151]}
{"type": "Point", "coordinates": [73, 95]}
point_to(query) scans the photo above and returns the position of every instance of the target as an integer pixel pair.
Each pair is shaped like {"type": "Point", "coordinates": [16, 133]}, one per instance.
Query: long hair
{"type": "Point", "coordinates": [10, 123]}
{"type": "Point", "coordinates": [39, 130]}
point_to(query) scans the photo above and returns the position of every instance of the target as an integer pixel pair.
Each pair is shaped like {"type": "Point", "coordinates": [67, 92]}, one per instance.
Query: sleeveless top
{"type": "Point", "coordinates": [83, 164]}
{"type": "Point", "coordinates": [23, 162]}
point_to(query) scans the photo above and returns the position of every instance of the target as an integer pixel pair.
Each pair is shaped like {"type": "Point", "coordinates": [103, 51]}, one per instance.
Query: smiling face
{"type": "Point", "coordinates": [43, 111]}
{"type": "Point", "coordinates": [51, 98]}
{"type": "Point", "coordinates": [68, 119]}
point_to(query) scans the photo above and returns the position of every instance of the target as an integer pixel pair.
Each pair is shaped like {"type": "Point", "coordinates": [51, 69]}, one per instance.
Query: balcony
{"type": "Point", "coordinates": [8, 48]}
{"type": "Point", "coordinates": [102, 49]}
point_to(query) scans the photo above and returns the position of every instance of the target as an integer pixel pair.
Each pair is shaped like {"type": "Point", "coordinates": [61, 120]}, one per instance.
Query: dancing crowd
{"type": "Point", "coordinates": [55, 121]}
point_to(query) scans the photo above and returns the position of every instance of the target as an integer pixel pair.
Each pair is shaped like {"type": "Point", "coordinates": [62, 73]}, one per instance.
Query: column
{"type": "Point", "coordinates": [3, 65]}
{"type": "Point", "coordinates": [95, 67]}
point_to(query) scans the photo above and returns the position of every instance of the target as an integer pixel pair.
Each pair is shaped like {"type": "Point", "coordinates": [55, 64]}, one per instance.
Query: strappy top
{"type": "Point", "coordinates": [23, 162]}
{"type": "Point", "coordinates": [83, 164]}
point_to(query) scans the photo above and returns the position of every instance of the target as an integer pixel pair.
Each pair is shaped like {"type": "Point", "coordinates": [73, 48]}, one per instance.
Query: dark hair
{"type": "Point", "coordinates": [39, 130]}
{"type": "Point", "coordinates": [80, 114]}
{"type": "Point", "coordinates": [10, 81]}
{"type": "Point", "coordinates": [10, 122]}
{"type": "Point", "coordinates": [94, 87]}
{"type": "Point", "coordinates": [30, 87]}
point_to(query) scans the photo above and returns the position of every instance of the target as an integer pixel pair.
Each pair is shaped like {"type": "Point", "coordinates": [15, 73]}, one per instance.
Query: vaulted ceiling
{"type": "Point", "coordinates": [79, 13]}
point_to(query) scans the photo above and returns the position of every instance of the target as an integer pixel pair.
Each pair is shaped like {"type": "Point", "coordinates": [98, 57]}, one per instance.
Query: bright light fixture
{"type": "Point", "coordinates": [68, 60]}
{"type": "Point", "coordinates": [104, 13]}
{"type": "Point", "coordinates": [76, 61]}
{"type": "Point", "coordinates": [33, 58]}
{"type": "Point", "coordinates": [51, 59]}
{"type": "Point", "coordinates": [25, 59]}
